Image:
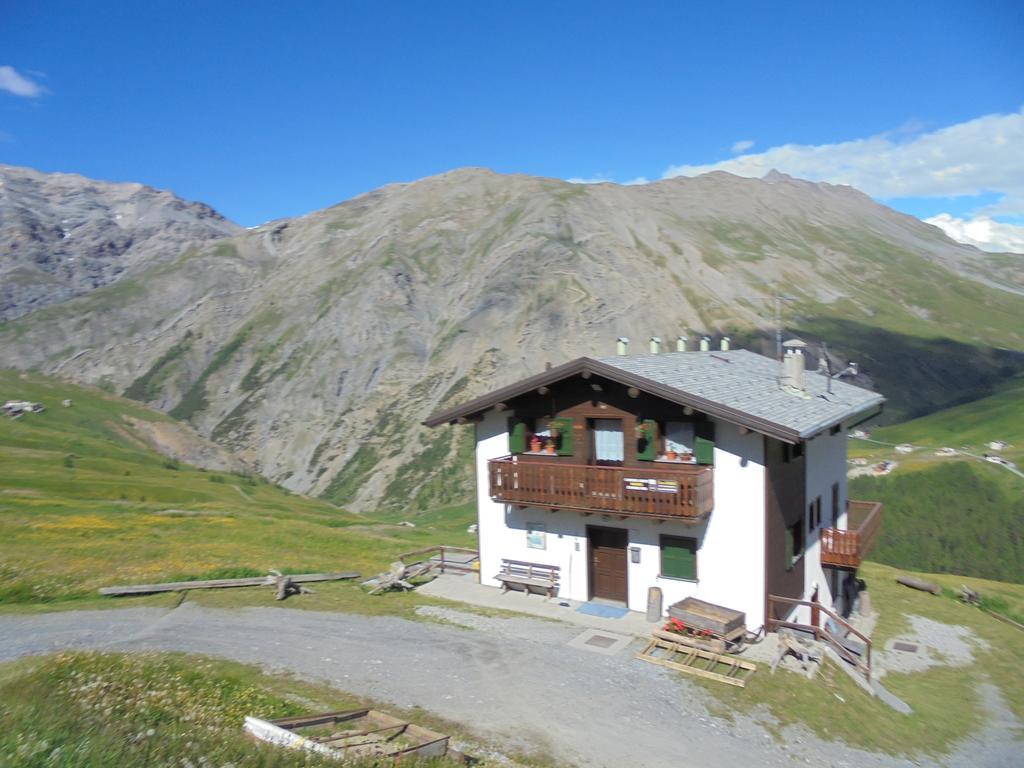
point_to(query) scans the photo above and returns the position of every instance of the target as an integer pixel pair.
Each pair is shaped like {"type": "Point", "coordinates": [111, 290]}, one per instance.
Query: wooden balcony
{"type": "Point", "coordinates": [847, 548]}
{"type": "Point", "coordinates": [677, 493]}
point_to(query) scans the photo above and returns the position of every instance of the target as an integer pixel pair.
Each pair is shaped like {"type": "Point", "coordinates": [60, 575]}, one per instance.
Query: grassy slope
{"type": "Point", "coordinates": [955, 515]}
{"type": "Point", "coordinates": [96, 710]}
{"type": "Point", "coordinates": [84, 504]}
{"type": "Point", "coordinates": [963, 518]}
{"type": "Point", "coordinates": [969, 427]}
{"type": "Point", "coordinates": [946, 703]}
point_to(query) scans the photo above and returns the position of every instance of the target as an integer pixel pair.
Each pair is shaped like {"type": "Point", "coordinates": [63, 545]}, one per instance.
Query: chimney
{"type": "Point", "coordinates": [725, 343]}
{"type": "Point", "coordinates": [705, 344]}
{"type": "Point", "coordinates": [793, 364]}
{"type": "Point", "coordinates": [623, 345]}
{"type": "Point", "coordinates": [655, 345]}
{"type": "Point", "coordinates": [681, 343]}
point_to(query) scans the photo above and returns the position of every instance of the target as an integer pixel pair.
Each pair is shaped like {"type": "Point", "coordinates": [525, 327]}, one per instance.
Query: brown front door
{"type": "Point", "coordinates": [608, 563]}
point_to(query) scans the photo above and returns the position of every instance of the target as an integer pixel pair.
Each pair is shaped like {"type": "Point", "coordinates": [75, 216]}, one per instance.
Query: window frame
{"type": "Point", "coordinates": [696, 558]}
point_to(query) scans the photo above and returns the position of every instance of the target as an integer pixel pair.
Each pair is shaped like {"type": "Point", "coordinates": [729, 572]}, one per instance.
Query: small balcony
{"type": "Point", "coordinates": [847, 548]}
{"type": "Point", "coordinates": [679, 493]}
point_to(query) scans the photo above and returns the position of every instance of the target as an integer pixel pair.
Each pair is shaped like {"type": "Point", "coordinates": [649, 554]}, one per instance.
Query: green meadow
{"type": "Point", "coordinates": [84, 503]}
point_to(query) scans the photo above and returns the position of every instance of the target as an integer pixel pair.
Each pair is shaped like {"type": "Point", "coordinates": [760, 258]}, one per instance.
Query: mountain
{"type": "Point", "coordinates": [62, 235]}
{"type": "Point", "coordinates": [314, 346]}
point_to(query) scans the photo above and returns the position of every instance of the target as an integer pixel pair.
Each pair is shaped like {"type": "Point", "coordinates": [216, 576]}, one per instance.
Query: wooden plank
{"type": "Point", "coordinates": [256, 581]}
{"type": "Point", "coordinates": [691, 656]}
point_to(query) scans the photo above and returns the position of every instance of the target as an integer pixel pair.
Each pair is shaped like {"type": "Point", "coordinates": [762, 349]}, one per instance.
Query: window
{"type": "Point", "coordinates": [794, 543]}
{"type": "Point", "coordinates": [679, 437]}
{"type": "Point", "coordinates": [679, 558]}
{"type": "Point", "coordinates": [814, 514]}
{"type": "Point", "coordinates": [608, 441]}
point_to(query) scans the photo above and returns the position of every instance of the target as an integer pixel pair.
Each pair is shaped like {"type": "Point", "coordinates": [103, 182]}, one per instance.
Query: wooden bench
{"type": "Point", "coordinates": [529, 576]}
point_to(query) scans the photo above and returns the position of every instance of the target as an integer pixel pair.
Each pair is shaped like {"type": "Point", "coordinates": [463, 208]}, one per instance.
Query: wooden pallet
{"type": "Point", "coordinates": [698, 662]}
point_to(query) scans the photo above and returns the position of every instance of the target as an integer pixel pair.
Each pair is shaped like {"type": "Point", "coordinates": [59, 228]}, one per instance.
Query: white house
{"type": "Point", "coordinates": [716, 474]}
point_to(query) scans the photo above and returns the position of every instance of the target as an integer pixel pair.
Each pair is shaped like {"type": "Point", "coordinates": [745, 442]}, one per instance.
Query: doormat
{"type": "Point", "coordinates": [604, 611]}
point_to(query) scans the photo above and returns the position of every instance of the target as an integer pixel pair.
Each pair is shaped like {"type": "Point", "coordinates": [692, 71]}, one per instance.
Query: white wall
{"type": "Point", "coordinates": [730, 558]}
{"type": "Point", "coordinates": [732, 566]}
{"type": "Point", "coordinates": [491, 442]}
{"type": "Point", "coordinates": [826, 464]}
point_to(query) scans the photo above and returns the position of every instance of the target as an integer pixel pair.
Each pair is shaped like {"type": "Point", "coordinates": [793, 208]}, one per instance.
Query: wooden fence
{"type": "Point", "coordinates": [820, 633]}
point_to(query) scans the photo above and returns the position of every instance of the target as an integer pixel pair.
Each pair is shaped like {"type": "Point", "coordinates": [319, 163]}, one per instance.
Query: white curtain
{"type": "Point", "coordinates": [608, 440]}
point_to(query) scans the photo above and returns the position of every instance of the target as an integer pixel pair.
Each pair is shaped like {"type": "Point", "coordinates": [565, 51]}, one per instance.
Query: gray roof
{"type": "Point", "coordinates": [748, 382]}
{"type": "Point", "coordinates": [738, 386]}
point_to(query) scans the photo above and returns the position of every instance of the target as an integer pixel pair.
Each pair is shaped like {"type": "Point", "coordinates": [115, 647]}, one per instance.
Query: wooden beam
{"type": "Point", "coordinates": [633, 392]}
{"type": "Point", "coordinates": [499, 407]}
{"type": "Point", "coordinates": [688, 411]}
{"type": "Point", "coordinates": [257, 581]}
{"type": "Point", "coordinates": [542, 390]}
{"type": "Point", "coordinates": [586, 374]}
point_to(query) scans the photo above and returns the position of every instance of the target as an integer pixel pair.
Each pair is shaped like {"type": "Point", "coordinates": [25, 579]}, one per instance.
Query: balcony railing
{"type": "Point", "coordinates": [679, 493]}
{"type": "Point", "coordinates": [847, 548]}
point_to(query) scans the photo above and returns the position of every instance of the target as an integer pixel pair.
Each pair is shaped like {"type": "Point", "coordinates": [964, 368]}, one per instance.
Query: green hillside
{"type": "Point", "coordinates": [952, 514]}
{"type": "Point", "coordinates": [84, 503]}
{"type": "Point", "coordinates": [963, 517]}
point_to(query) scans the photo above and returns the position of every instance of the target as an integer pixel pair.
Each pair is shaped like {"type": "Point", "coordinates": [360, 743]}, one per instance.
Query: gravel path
{"type": "Point", "coordinates": [513, 681]}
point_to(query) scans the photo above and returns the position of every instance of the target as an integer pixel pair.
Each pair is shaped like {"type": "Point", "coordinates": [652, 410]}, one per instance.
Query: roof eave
{"type": "Point", "coordinates": [587, 364]}
{"type": "Point", "coordinates": [856, 417]}
{"type": "Point", "coordinates": [485, 402]}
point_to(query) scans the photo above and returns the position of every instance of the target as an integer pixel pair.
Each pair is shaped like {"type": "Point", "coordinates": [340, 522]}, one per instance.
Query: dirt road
{"type": "Point", "coordinates": [513, 681]}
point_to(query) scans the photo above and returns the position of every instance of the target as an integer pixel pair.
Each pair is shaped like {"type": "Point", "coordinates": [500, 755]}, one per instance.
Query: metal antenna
{"type": "Point", "coordinates": [827, 361]}
{"type": "Point", "coordinates": [778, 299]}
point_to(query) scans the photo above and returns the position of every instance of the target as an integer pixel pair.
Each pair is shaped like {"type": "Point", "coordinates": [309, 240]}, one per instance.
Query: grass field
{"type": "Point", "coordinates": [84, 504]}
{"type": "Point", "coordinates": [946, 702]}
{"type": "Point", "coordinates": [91, 710]}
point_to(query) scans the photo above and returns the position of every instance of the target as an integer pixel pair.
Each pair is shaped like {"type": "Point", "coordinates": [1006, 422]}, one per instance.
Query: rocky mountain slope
{"type": "Point", "coordinates": [62, 235]}
{"type": "Point", "coordinates": [314, 346]}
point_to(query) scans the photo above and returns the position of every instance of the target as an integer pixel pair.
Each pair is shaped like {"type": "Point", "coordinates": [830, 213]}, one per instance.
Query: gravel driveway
{"type": "Point", "coordinates": [514, 681]}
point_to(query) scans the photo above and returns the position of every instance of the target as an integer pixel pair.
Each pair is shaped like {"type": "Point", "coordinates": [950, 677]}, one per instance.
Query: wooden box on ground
{"type": "Point", "coordinates": [360, 733]}
{"type": "Point", "coordinates": [697, 614]}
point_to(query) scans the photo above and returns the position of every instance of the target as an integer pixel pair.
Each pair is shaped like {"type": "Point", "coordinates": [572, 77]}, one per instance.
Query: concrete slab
{"type": "Point", "coordinates": [601, 641]}
{"type": "Point", "coordinates": [466, 589]}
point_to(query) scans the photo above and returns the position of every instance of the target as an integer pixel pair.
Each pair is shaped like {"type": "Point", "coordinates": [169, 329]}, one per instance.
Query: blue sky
{"type": "Point", "coordinates": [270, 109]}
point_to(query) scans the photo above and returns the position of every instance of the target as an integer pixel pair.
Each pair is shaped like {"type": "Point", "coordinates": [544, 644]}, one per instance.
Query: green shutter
{"type": "Point", "coordinates": [647, 446]}
{"type": "Point", "coordinates": [564, 427]}
{"type": "Point", "coordinates": [517, 438]}
{"type": "Point", "coordinates": [679, 557]}
{"type": "Point", "coordinates": [704, 450]}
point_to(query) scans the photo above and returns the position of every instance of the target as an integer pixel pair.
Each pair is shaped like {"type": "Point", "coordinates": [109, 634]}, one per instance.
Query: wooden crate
{"type": "Point", "coordinates": [716, 619]}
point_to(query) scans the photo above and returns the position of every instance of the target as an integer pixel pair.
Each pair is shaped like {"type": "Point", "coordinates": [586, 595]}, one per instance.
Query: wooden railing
{"type": "Point", "coordinates": [821, 633]}
{"type": "Point", "coordinates": [458, 559]}
{"type": "Point", "coordinates": [678, 493]}
{"type": "Point", "coordinates": [847, 548]}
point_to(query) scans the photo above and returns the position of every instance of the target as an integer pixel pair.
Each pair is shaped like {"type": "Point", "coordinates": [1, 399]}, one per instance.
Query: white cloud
{"type": "Point", "coordinates": [602, 179]}
{"type": "Point", "coordinates": [983, 155]}
{"type": "Point", "coordinates": [742, 146]}
{"type": "Point", "coordinates": [982, 232]}
{"type": "Point", "coordinates": [14, 82]}
{"type": "Point", "coordinates": [599, 179]}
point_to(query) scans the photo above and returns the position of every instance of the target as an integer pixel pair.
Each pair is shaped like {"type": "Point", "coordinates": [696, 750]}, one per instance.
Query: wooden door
{"type": "Point", "coordinates": [608, 563]}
